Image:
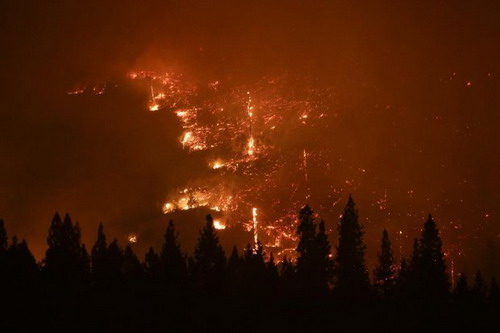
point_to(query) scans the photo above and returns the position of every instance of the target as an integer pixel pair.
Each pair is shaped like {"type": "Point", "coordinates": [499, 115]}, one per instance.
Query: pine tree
{"type": "Point", "coordinates": [478, 290]}
{"type": "Point", "coordinates": [100, 259]}
{"type": "Point", "coordinates": [314, 266]}
{"type": "Point", "coordinates": [428, 268]}
{"type": "Point", "coordinates": [64, 263]}
{"type": "Point", "coordinates": [234, 264]}
{"type": "Point", "coordinates": [209, 259]}
{"type": "Point", "coordinates": [234, 272]}
{"type": "Point", "coordinates": [152, 266]}
{"type": "Point", "coordinates": [306, 231]}
{"type": "Point", "coordinates": [115, 254]}
{"type": "Point", "coordinates": [272, 276]}
{"type": "Point", "coordinates": [351, 274]}
{"type": "Point", "coordinates": [287, 274]}
{"type": "Point", "coordinates": [384, 272]}
{"type": "Point", "coordinates": [173, 261]}
{"type": "Point", "coordinates": [461, 292]}
{"type": "Point", "coordinates": [254, 270]}
{"type": "Point", "coordinates": [494, 295]}
{"type": "Point", "coordinates": [323, 265]}
{"type": "Point", "coordinates": [21, 268]}
{"type": "Point", "coordinates": [4, 242]}
{"type": "Point", "coordinates": [132, 268]}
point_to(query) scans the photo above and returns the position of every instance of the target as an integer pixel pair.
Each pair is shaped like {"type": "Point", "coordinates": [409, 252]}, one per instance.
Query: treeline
{"type": "Point", "coordinates": [109, 288]}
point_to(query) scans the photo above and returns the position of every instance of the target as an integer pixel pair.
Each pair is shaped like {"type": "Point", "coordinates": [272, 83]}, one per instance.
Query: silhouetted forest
{"type": "Point", "coordinates": [108, 288]}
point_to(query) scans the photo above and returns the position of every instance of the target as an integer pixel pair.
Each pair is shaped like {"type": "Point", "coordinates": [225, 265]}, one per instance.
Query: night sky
{"type": "Point", "coordinates": [403, 101]}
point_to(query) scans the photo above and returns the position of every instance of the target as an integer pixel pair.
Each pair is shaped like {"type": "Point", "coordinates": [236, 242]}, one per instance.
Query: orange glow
{"type": "Point", "coordinates": [251, 146]}
{"type": "Point", "coordinates": [255, 224]}
{"type": "Point", "coordinates": [154, 107]}
{"type": "Point", "coordinates": [217, 164]}
{"type": "Point", "coordinates": [168, 207]}
{"type": "Point", "coordinates": [218, 225]}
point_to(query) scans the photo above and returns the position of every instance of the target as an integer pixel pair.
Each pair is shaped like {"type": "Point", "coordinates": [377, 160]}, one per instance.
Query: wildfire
{"type": "Point", "coordinates": [132, 238]}
{"type": "Point", "coordinates": [217, 164]}
{"type": "Point", "coordinates": [168, 208]}
{"type": "Point", "coordinates": [186, 138]}
{"type": "Point", "coordinates": [251, 146]}
{"type": "Point", "coordinates": [218, 225]}
{"type": "Point", "coordinates": [244, 127]}
{"type": "Point", "coordinates": [255, 224]}
{"type": "Point", "coordinates": [154, 107]}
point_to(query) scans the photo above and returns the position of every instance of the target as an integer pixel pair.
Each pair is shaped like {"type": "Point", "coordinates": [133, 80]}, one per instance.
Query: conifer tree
{"type": "Point", "coordinates": [115, 254]}
{"type": "Point", "coordinates": [3, 238]}
{"type": "Point", "coordinates": [461, 291]}
{"type": "Point", "coordinates": [287, 274]}
{"type": "Point", "coordinates": [314, 266]}
{"type": "Point", "coordinates": [494, 295]}
{"type": "Point", "coordinates": [272, 276]}
{"type": "Point", "coordinates": [64, 263]}
{"type": "Point", "coordinates": [428, 268]}
{"type": "Point", "coordinates": [100, 259]}
{"type": "Point", "coordinates": [152, 266]}
{"type": "Point", "coordinates": [4, 244]}
{"type": "Point", "coordinates": [384, 272]}
{"type": "Point", "coordinates": [234, 271]}
{"type": "Point", "coordinates": [173, 261]}
{"type": "Point", "coordinates": [478, 290]}
{"type": "Point", "coordinates": [20, 267]}
{"type": "Point", "coordinates": [351, 274]}
{"type": "Point", "coordinates": [132, 268]}
{"type": "Point", "coordinates": [209, 260]}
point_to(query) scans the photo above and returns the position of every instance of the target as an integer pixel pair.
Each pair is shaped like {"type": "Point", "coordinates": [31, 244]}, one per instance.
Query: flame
{"type": "Point", "coordinates": [251, 146]}
{"type": "Point", "coordinates": [254, 220]}
{"type": "Point", "coordinates": [218, 225]}
{"type": "Point", "coordinates": [154, 107]}
{"type": "Point", "coordinates": [168, 208]}
{"type": "Point", "coordinates": [132, 238]}
{"type": "Point", "coordinates": [217, 164]}
{"type": "Point", "coordinates": [186, 138]}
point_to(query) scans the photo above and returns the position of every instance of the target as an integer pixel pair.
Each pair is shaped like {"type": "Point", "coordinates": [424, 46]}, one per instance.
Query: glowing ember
{"type": "Point", "coordinates": [255, 224]}
{"type": "Point", "coordinates": [132, 238]}
{"type": "Point", "coordinates": [168, 207]}
{"type": "Point", "coordinates": [251, 146]}
{"type": "Point", "coordinates": [154, 107]}
{"type": "Point", "coordinates": [218, 225]}
{"type": "Point", "coordinates": [217, 164]}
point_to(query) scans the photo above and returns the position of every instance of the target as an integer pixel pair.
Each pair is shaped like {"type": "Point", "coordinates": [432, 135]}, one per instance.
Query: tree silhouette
{"type": "Point", "coordinates": [384, 271]}
{"type": "Point", "coordinates": [21, 268]}
{"type": "Point", "coordinates": [314, 266]}
{"type": "Point", "coordinates": [65, 262]}
{"type": "Point", "coordinates": [461, 292]}
{"type": "Point", "coordinates": [253, 270]}
{"type": "Point", "coordinates": [273, 277]}
{"type": "Point", "coordinates": [115, 254]}
{"type": "Point", "coordinates": [428, 267]}
{"type": "Point", "coordinates": [100, 259]}
{"type": "Point", "coordinates": [287, 274]}
{"type": "Point", "coordinates": [132, 268]}
{"type": "Point", "coordinates": [351, 274]}
{"type": "Point", "coordinates": [3, 238]}
{"type": "Point", "coordinates": [494, 295]}
{"type": "Point", "coordinates": [234, 272]}
{"type": "Point", "coordinates": [4, 244]}
{"type": "Point", "coordinates": [209, 260]}
{"type": "Point", "coordinates": [173, 262]}
{"type": "Point", "coordinates": [152, 266]}
{"type": "Point", "coordinates": [478, 290]}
